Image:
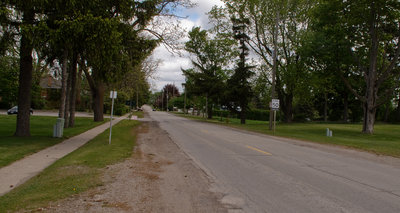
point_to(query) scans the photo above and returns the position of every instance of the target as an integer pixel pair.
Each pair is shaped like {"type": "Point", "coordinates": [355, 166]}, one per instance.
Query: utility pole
{"type": "Point", "coordinates": [274, 57]}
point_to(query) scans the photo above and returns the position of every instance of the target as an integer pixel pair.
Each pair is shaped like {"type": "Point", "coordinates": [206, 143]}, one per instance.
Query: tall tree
{"type": "Point", "coordinates": [292, 21]}
{"type": "Point", "coordinates": [210, 58]}
{"type": "Point", "coordinates": [8, 80]}
{"type": "Point", "coordinates": [27, 8]}
{"type": "Point", "coordinates": [240, 90]}
{"type": "Point", "coordinates": [372, 29]}
{"type": "Point", "coordinates": [135, 82]}
{"type": "Point", "coordinates": [135, 45]}
{"type": "Point", "coordinates": [168, 92]}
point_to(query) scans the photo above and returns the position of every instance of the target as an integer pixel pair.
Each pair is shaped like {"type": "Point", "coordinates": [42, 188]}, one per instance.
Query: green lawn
{"type": "Point", "coordinates": [384, 141]}
{"type": "Point", "coordinates": [14, 148]}
{"type": "Point", "coordinates": [139, 114]}
{"type": "Point", "coordinates": [76, 172]}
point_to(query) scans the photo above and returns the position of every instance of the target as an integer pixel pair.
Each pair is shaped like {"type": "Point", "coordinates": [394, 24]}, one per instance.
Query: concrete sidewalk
{"type": "Point", "coordinates": [24, 169]}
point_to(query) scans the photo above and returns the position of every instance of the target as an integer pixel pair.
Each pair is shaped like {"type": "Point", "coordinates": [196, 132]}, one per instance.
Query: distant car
{"type": "Point", "coordinates": [14, 110]}
{"type": "Point", "coordinates": [154, 109]}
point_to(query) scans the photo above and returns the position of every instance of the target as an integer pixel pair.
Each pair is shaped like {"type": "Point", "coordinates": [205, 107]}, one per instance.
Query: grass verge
{"type": "Point", "coordinates": [384, 141]}
{"type": "Point", "coordinates": [75, 173]}
{"type": "Point", "coordinates": [14, 148]}
{"type": "Point", "coordinates": [139, 114]}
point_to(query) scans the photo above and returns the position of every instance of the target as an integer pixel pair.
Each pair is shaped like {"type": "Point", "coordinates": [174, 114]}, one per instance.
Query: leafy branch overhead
{"type": "Point", "coordinates": [108, 39]}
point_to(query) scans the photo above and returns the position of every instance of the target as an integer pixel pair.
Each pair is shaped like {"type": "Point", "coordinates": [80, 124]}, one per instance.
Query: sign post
{"type": "Point", "coordinates": [275, 107]}
{"type": "Point", "coordinates": [113, 95]}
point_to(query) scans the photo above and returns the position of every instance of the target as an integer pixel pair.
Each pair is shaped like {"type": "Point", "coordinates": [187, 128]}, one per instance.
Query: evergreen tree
{"type": "Point", "coordinates": [240, 90]}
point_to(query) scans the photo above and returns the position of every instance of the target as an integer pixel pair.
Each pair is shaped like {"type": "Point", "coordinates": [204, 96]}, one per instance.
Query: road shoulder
{"type": "Point", "coordinates": [159, 177]}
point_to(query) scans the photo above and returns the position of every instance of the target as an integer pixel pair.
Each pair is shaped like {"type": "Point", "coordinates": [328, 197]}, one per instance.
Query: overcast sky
{"type": "Point", "coordinates": [169, 71]}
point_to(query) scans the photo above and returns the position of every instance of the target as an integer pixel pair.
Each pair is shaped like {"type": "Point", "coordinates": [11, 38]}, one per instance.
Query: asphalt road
{"type": "Point", "coordinates": [258, 173]}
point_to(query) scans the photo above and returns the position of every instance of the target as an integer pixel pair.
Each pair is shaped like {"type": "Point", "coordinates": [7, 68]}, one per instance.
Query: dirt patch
{"type": "Point", "coordinates": [159, 177]}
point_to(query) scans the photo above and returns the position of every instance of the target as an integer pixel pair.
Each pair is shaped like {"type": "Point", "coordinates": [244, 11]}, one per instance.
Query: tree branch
{"type": "Point", "coordinates": [360, 66]}
{"type": "Point", "coordinates": [384, 97]}
{"type": "Point", "coordinates": [89, 79]}
{"type": "Point", "coordinates": [348, 85]}
{"type": "Point", "coordinates": [389, 70]}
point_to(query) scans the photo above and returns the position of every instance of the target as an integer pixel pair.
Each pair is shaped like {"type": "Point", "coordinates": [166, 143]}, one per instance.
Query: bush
{"type": "Point", "coordinates": [258, 115]}
{"type": "Point", "coordinates": [220, 113]}
{"type": "Point", "coordinates": [300, 117]}
{"type": "Point", "coordinates": [121, 109]}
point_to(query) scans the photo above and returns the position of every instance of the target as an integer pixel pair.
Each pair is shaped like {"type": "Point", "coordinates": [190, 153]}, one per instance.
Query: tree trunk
{"type": "Point", "coordinates": [398, 110]}
{"type": "Point", "coordinates": [243, 115]}
{"type": "Point", "coordinates": [64, 77]}
{"type": "Point", "coordinates": [25, 77]}
{"type": "Point", "coordinates": [98, 101]}
{"type": "Point", "coordinates": [72, 102]}
{"type": "Point", "coordinates": [67, 99]}
{"type": "Point", "coordinates": [369, 119]}
{"type": "Point", "coordinates": [208, 108]}
{"type": "Point", "coordinates": [370, 110]}
{"type": "Point", "coordinates": [387, 112]}
{"type": "Point", "coordinates": [345, 107]}
{"type": "Point", "coordinates": [137, 97]}
{"type": "Point", "coordinates": [97, 90]}
{"type": "Point", "coordinates": [288, 108]}
{"type": "Point", "coordinates": [79, 82]}
{"type": "Point", "coordinates": [325, 107]}
{"type": "Point", "coordinates": [210, 112]}
{"type": "Point", "coordinates": [371, 93]}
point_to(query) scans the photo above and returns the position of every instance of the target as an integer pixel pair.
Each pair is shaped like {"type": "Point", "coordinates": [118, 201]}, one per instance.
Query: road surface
{"type": "Point", "coordinates": [258, 173]}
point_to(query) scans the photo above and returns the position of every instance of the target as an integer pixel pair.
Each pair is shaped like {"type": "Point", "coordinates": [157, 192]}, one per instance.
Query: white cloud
{"type": "Point", "coordinates": [203, 6]}
{"type": "Point", "coordinates": [169, 71]}
{"type": "Point", "coordinates": [199, 13]}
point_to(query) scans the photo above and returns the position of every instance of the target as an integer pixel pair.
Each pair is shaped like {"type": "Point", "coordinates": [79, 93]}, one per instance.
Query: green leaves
{"type": "Point", "coordinates": [210, 60]}
{"type": "Point", "coordinates": [9, 68]}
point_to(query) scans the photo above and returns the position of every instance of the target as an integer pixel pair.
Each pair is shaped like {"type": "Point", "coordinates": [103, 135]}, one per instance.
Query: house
{"type": "Point", "coordinates": [47, 83]}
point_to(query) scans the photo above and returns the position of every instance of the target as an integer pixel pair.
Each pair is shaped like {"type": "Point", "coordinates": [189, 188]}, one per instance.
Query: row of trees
{"type": "Point", "coordinates": [166, 98]}
{"type": "Point", "coordinates": [100, 41]}
{"type": "Point", "coordinates": [332, 58]}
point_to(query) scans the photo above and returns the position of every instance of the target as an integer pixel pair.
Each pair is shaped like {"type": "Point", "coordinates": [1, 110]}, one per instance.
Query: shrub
{"type": "Point", "coordinates": [121, 109]}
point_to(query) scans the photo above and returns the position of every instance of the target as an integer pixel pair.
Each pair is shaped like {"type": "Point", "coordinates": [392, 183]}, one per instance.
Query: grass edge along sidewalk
{"type": "Point", "coordinates": [20, 171]}
{"type": "Point", "coordinates": [15, 148]}
{"type": "Point", "coordinates": [384, 141]}
{"type": "Point", "coordinates": [75, 173]}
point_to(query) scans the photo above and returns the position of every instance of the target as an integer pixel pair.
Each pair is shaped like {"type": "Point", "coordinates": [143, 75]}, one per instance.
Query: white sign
{"type": "Point", "coordinates": [113, 94]}
{"type": "Point", "coordinates": [275, 104]}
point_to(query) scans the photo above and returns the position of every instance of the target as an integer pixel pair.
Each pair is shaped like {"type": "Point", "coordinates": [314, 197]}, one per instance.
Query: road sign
{"type": "Point", "coordinates": [275, 104]}
{"type": "Point", "coordinates": [113, 94]}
